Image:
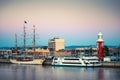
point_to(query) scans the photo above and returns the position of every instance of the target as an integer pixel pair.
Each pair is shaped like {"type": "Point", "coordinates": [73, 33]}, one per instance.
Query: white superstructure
{"type": "Point", "coordinates": [73, 61]}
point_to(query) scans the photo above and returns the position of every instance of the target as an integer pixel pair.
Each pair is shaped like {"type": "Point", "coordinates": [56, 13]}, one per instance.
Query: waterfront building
{"type": "Point", "coordinates": [56, 44]}
{"type": "Point", "coordinates": [5, 54]}
{"type": "Point", "coordinates": [38, 52]}
{"type": "Point", "coordinates": [86, 51]}
{"type": "Point", "coordinates": [62, 53]}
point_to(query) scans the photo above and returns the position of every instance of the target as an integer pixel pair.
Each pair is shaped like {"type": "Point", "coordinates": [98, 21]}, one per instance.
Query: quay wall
{"type": "Point", "coordinates": [111, 64]}
{"type": "Point", "coordinates": [4, 61]}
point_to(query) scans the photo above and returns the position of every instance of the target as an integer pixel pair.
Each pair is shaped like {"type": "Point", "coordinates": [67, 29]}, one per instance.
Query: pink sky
{"type": "Point", "coordinates": [78, 22]}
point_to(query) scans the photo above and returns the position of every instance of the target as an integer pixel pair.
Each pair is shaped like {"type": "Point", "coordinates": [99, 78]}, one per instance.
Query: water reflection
{"type": "Point", "coordinates": [39, 72]}
{"type": "Point", "coordinates": [100, 74]}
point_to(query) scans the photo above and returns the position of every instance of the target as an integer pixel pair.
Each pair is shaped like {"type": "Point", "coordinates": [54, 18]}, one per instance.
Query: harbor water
{"type": "Point", "coordinates": [39, 72]}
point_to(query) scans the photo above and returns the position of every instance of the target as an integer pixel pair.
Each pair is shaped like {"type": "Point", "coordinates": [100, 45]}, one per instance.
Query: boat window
{"type": "Point", "coordinates": [93, 59]}
{"type": "Point", "coordinates": [91, 62]}
{"type": "Point", "coordinates": [89, 59]}
{"type": "Point", "coordinates": [86, 62]}
{"type": "Point", "coordinates": [71, 59]}
{"type": "Point", "coordinates": [55, 58]}
{"type": "Point", "coordinates": [70, 63]}
{"type": "Point", "coordinates": [94, 63]}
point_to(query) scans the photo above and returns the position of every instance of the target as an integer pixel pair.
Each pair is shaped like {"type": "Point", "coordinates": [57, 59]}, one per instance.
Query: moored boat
{"type": "Point", "coordinates": [77, 61]}
{"type": "Point", "coordinates": [26, 61]}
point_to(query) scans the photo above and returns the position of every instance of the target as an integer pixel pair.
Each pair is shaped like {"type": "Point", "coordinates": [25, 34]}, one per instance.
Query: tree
{"type": "Point", "coordinates": [45, 47]}
{"type": "Point", "coordinates": [118, 52]}
{"type": "Point", "coordinates": [90, 52]}
{"type": "Point", "coordinates": [105, 51]}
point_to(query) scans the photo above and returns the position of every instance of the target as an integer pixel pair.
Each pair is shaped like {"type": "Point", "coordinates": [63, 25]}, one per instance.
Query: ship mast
{"type": "Point", "coordinates": [16, 49]}
{"type": "Point", "coordinates": [34, 40]}
{"type": "Point", "coordinates": [24, 39]}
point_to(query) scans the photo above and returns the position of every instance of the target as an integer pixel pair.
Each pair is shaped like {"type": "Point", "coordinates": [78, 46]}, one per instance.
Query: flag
{"type": "Point", "coordinates": [25, 22]}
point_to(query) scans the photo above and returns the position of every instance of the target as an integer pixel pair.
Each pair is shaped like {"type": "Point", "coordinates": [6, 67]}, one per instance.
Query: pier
{"type": "Point", "coordinates": [4, 61]}
{"type": "Point", "coordinates": [115, 64]}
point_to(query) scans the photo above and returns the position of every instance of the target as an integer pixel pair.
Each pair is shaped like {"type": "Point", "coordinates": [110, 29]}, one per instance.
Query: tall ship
{"type": "Point", "coordinates": [30, 61]}
{"type": "Point", "coordinates": [27, 59]}
{"type": "Point", "coordinates": [90, 61]}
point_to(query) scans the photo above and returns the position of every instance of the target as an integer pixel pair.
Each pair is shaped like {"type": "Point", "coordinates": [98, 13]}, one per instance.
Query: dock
{"type": "Point", "coordinates": [4, 60]}
{"type": "Point", "coordinates": [114, 64]}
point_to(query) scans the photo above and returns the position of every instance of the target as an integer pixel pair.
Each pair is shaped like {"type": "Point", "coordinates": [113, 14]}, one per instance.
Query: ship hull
{"type": "Point", "coordinates": [75, 65]}
{"type": "Point", "coordinates": [32, 62]}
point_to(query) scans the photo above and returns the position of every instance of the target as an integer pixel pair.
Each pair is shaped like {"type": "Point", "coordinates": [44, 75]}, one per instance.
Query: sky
{"type": "Point", "coordinates": [76, 21]}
